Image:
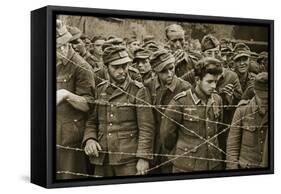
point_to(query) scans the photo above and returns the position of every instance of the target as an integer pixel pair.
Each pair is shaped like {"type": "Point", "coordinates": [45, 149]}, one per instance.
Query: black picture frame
{"type": "Point", "coordinates": [43, 108]}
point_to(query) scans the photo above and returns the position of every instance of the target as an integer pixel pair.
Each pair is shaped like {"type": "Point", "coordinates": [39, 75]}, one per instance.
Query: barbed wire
{"type": "Point", "coordinates": [156, 108]}
{"type": "Point", "coordinates": [77, 174]}
{"type": "Point", "coordinates": [141, 100]}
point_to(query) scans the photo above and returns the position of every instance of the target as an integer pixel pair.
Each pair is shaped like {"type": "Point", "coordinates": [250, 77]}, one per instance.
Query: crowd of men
{"type": "Point", "coordinates": [137, 107]}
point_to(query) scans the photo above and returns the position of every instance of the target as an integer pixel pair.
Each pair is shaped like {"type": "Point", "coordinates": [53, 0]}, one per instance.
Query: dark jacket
{"type": "Point", "coordinates": [120, 123]}
{"type": "Point", "coordinates": [247, 136]}
{"type": "Point", "coordinates": [193, 114]}
{"type": "Point", "coordinates": [162, 96]}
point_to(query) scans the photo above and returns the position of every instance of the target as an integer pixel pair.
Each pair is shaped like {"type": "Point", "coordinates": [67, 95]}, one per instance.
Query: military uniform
{"type": "Point", "coordinates": [161, 96]}
{"type": "Point", "coordinates": [247, 136]}
{"type": "Point", "coordinates": [120, 123]}
{"type": "Point", "coordinates": [247, 144]}
{"type": "Point", "coordinates": [119, 126]}
{"type": "Point", "coordinates": [195, 118]}
{"type": "Point", "coordinates": [75, 76]}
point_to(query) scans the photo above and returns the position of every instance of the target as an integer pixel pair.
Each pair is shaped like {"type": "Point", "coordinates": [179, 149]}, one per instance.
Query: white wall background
{"type": "Point", "coordinates": [15, 94]}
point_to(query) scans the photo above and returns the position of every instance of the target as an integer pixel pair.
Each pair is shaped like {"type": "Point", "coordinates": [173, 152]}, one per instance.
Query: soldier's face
{"type": "Point", "coordinates": [176, 41]}
{"type": "Point", "coordinates": [167, 74]}
{"type": "Point", "coordinates": [242, 64]}
{"type": "Point", "coordinates": [208, 84]}
{"type": "Point", "coordinates": [214, 52]}
{"type": "Point", "coordinates": [118, 72]}
{"type": "Point", "coordinates": [134, 46]}
{"type": "Point", "coordinates": [143, 66]}
{"type": "Point", "coordinates": [98, 46]}
{"type": "Point", "coordinates": [79, 46]}
{"type": "Point", "coordinates": [262, 98]}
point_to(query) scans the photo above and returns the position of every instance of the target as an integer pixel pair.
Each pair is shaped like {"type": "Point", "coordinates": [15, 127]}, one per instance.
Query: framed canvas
{"type": "Point", "coordinates": [126, 96]}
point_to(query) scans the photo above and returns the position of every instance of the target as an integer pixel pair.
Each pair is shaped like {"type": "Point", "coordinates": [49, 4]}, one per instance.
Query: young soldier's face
{"type": "Point", "coordinates": [143, 66]}
{"type": "Point", "coordinates": [98, 46]}
{"type": "Point", "coordinates": [242, 64]}
{"type": "Point", "coordinates": [167, 74]}
{"type": "Point", "coordinates": [118, 72]}
{"type": "Point", "coordinates": [134, 46]}
{"type": "Point", "coordinates": [214, 53]}
{"type": "Point", "coordinates": [208, 84]}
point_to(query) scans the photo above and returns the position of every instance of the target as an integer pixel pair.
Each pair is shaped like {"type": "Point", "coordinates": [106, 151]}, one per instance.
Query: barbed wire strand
{"type": "Point", "coordinates": [191, 131]}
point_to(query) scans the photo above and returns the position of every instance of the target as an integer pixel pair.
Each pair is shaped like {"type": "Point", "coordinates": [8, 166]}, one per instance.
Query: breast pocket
{"type": "Point", "coordinates": [72, 132]}
{"type": "Point", "coordinates": [126, 113]}
{"type": "Point", "coordinates": [65, 81]}
{"type": "Point", "coordinates": [191, 122]}
{"type": "Point", "coordinates": [249, 136]}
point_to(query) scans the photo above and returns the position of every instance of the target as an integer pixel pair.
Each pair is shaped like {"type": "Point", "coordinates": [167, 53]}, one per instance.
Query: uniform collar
{"type": "Point", "coordinates": [197, 96]}
{"type": "Point", "coordinates": [123, 86]}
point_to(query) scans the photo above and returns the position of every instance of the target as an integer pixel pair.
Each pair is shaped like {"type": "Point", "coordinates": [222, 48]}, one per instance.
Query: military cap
{"type": "Point", "coordinates": [130, 40]}
{"type": "Point", "coordinates": [174, 29]}
{"type": "Point", "coordinates": [261, 82]}
{"type": "Point", "coordinates": [262, 55]}
{"type": "Point", "coordinates": [141, 53]}
{"type": "Point", "coordinates": [148, 38]}
{"type": "Point", "coordinates": [160, 59]}
{"type": "Point", "coordinates": [112, 42]}
{"type": "Point", "coordinates": [75, 32]}
{"type": "Point", "coordinates": [62, 34]}
{"type": "Point", "coordinates": [115, 55]}
{"type": "Point", "coordinates": [99, 37]}
{"type": "Point", "coordinates": [209, 42]}
{"type": "Point", "coordinates": [240, 50]}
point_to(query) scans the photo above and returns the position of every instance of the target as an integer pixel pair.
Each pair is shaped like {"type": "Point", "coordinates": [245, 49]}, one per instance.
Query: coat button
{"type": "Point", "coordinates": [131, 135]}
{"type": "Point", "coordinates": [261, 142]}
{"type": "Point", "coordinates": [185, 149]}
{"type": "Point", "coordinates": [261, 131]}
{"type": "Point", "coordinates": [110, 124]}
{"type": "Point", "coordinates": [111, 105]}
{"type": "Point", "coordinates": [109, 134]}
{"type": "Point", "coordinates": [75, 120]}
{"type": "Point", "coordinates": [64, 80]}
{"type": "Point", "coordinates": [111, 115]}
{"type": "Point", "coordinates": [162, 117]}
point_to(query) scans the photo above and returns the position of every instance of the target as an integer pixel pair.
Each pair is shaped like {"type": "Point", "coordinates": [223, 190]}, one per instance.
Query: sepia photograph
{"type": "Point", "coordinates": [144, 97]}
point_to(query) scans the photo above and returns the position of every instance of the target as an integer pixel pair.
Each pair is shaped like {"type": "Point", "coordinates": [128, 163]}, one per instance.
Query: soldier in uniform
{"type": "Point", "coordinates": [120, 122]}
{"type": "Point", "coordinates": [101, 73]}
{"type": "Point", "coordinates": [263, 61]}
{"type": "Point", "coordinates": [176, 41]}
{"type": "Point", "coordinates": [241, 61]}
{"type": "Point", "coordinates": [247, 141]}
{"type": "Point", "coordinates": [74, 97]}
{"type": "Point", "coordinates": [132, 45]}
{"type": "Point", "coordinates": [141, 61]}
{"type": "Point", "coordinates": [163, 87]}
{"type": "Point", "coordinates": [197, 111]}
{"type": "Point", "coordinates": [96, 50]}
{"type": "Point", "coordinates": [228, 85]}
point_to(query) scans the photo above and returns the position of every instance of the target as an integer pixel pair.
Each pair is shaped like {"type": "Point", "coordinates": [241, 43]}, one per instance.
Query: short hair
{"type": "Point", "coordinates": [207, 65]}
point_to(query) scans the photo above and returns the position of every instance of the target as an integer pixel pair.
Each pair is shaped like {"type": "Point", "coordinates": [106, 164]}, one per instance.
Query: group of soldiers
{"type": "Point", "coordinates": [135, 107]}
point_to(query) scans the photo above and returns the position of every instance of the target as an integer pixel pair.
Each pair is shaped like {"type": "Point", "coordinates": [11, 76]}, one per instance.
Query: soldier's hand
{"type": "Point", "coordinates": [228, 89]}
{"type": "Point", "coordinates": [179, 55]}
{"type": "Point", "coordinates": [142, 166]}
{"type": "Point", "coordinates": [61, 95]}
{"type": "Point", "coordinates": [92, 148]}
